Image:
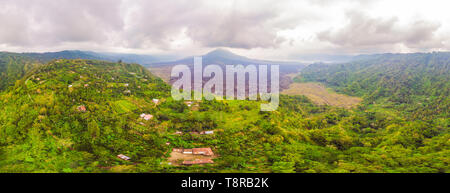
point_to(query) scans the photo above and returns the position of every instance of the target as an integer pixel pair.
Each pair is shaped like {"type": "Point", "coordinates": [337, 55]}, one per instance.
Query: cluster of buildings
{"type": "Point", "coordinates": [195, 133]}
{"type": "Point", "coordinates": [195, 151]}
{"type": "Point", "coordinates": [206, 152]}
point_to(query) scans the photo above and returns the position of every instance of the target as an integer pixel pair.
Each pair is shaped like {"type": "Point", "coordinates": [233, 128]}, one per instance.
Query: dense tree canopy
{"type": "Point", "coordinates": [78, 115]}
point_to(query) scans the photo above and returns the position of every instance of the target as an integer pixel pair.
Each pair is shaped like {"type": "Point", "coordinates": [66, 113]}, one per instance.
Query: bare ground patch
{"type": "Point", "coordinates": [319, 94]}
{"type": "Point", "coordinates": [162, 72]}
{"type": "Point", "coordinates": [177, 158]}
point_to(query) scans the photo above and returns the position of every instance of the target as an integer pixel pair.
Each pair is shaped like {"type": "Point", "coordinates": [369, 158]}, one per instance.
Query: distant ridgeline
{"type": "Point", "coordinates": [14, 66]}
{"type": "Point", "coordinates": [89, 55]}
{"type": "Point", "coordinates": [417, 83]}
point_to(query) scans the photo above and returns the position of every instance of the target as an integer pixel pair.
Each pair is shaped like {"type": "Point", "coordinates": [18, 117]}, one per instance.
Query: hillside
{"type": "Point", "coordinates": [418, 84]}
{"type": "Point", "coordinates": [66, 108]}
{"type": "Point", "coordinates": [80, 115]}
{"type": "Point", "coordinates": [13, 67]}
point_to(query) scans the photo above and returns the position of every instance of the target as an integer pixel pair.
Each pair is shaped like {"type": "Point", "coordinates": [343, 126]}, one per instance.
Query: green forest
{"type": "Point", "coordinates": [76, 116]}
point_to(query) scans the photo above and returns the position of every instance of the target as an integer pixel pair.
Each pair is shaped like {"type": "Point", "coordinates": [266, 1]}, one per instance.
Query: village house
{"type": "Point", "coordinates": [81, 108]}
{"type": "Point", "coordinates": [192, 103]}
{"type": "Point", "coordinates": [206, 132]}
{"type": "Point", "coordinates": [123, 157]}
{"type": "Point", "coordinates": [146, 116]}
{"type": "Point", "coordinates": [178, 133]}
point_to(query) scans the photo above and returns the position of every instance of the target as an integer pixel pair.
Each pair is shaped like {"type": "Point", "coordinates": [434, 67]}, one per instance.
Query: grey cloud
{"type": "Point", "coordinates": [365, 32]}
{"type": "Point", "coordinates": [14, 27]}
{"type": "Point", "coordinates": [238, 30]}
{"type": "Point", "coordinates": [325, 3]}
{"type": "Point", "coordinates": [230, 25]}
{"type": "Point", "coordinates": [49, 22]}
{"type": "Point", "coordinates": [174, 25]}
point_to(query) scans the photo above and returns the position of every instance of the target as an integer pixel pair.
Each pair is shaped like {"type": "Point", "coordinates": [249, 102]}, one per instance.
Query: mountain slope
{"type": "Point", "coordinates": [13, 67]}
{"type": "Point", "coordinates": [225, 57]}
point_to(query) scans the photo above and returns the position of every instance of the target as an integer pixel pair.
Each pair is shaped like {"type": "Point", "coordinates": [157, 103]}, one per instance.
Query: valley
{"type": "Point", "coordinates": [77, 115]}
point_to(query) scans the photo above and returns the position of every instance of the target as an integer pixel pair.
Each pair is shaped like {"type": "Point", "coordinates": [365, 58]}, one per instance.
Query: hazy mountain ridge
{"type": "Point", "coordinates": [107, 56]}
{"type": "Point", "coordinates": [225, 57]}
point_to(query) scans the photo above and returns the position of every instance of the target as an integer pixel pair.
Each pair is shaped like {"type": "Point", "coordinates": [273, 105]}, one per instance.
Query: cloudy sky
{"type": "Point", "coordinates": [271, 29]}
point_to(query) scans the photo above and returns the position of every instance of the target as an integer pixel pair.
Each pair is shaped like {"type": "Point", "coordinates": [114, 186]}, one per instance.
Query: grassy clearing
{"type": "Point", "coordinates": [162, 72]}
{"type": "Point", "coordinates": [124, 106]}
{"type": "Point", "coordinates": [319, 94]}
